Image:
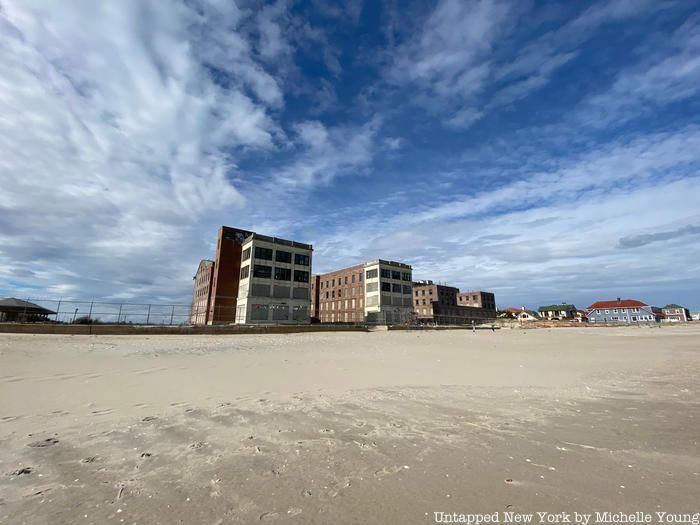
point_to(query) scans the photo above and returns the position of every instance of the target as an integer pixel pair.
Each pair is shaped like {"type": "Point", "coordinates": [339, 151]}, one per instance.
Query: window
{"type": "Point", "coordinates": [624, 310]}
{"type": "Point", "coordinates": [246, 254]}
{"type": "Point", "coordinates": [407, 289]}
{"type": "Point", "coordinates": [339, 293]}
{"type": "Point", "coordinates": [245, 272]}
{"type": "Point", "coordinates": [353, 277]}
{"type": "Point", "coordinates": [395, 275]}
{"type": "Point", "coordinates": [386, 287]}
{"type": "Point", "coordinates": [416, 293]}
{"type": "Point", "coordinates": [333, 294]}
{"type": "Point", "coordinates": [406, 276]}
{"type": "Point", "coordinates": [607, 311]}
{"type": "Point", "coordinates": [333, 283]}
{"type": "Point", "coordinates": [372, 274]}
{"type": "Point", "coordinates": [326, 295]}
{"type": "Point", "coordinates": [396, 288]}
{"type": "Point", "coordinates": [283, 274]}
{"type": "Point", "coordinates": [360, 275]}
{"type": "Point", "coordinates": [615, 311]}
{"type": "Point", "coordinates": [262, 271]}
{"type": "Point", "coordinates": [372, 287]}
{"type": "Point", "coordinates": [263, 253]}
{"type": "Point", "coordinates": [301, 260]}
{"type": "Point", "coordinates": [423, 301]}
{"type": "Point", "coordinates": [385, 273]}
{"type": "Point", "coordinates": [301, 276]}
{"type": "Point", "coordinates": [346, 279]}
{"type": "Point", "coordinates": [430, 292]}
{"type": "Point", "coordinates": [283, 257]}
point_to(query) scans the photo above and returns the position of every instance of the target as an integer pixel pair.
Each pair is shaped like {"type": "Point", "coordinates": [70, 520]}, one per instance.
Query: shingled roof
{"type": "Point", "coordinates": [10, 304]}
{"type": "Point", "coordinates": [619, 303]}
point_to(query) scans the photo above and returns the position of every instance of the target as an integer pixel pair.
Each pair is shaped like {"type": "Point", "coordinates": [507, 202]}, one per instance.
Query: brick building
{"type": "Point", "coordinates": [216, 283]}
{"type": "Point", "coordinates": [440, 304]}
{"type": "Point", "coordinates": [486, 300]}
{"type": "Point", "coordinates": [202, 292]}
{"type": "Point", "coordinates": [374, 292]}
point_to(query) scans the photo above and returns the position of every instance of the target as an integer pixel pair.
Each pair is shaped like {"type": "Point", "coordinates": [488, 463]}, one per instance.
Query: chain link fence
{"type": "Point", "coordinates": [94, 312]}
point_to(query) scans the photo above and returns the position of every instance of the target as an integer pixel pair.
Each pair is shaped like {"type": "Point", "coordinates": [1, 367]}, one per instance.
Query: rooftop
{"type": "Point", "coordinates": [277, 240]}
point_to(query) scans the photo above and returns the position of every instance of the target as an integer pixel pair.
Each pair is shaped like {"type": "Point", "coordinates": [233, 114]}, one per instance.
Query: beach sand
{"type": "Point", "coordinates": [335, 428]}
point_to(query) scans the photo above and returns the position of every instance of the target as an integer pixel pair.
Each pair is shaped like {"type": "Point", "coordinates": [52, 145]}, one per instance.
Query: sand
{"type": "Point", "coordinates": [335, 428]}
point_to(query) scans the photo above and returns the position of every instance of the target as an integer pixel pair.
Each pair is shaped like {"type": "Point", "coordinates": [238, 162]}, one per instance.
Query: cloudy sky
{"type": "Point", "coordinates": [548, 151]}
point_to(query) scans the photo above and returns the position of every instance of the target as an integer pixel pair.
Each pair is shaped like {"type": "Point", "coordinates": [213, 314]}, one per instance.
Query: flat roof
{"type": "Point", "coordinates": [390, 263]}
{"type": "Point", "coordinates": [277, 240]}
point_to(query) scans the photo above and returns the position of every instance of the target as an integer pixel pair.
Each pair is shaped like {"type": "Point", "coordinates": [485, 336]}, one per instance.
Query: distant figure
{"type": "Point", "coordinates": [493, 327]}
{"type": "Point", "coordinates": [473, 327]}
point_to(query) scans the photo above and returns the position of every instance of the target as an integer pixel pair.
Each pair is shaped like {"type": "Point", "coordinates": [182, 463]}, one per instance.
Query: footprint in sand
{"type": "Point", "coordinates": [43, 443]}
{"type": "Point", "coordinates": [22, 471]}
{"type": "Point", "coordinates": [149, 418]}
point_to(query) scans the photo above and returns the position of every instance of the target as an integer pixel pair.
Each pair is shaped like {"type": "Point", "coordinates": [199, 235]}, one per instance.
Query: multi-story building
{"type": "Point", "coordinates": [275, 281]}
{"type": "Point", "coordinates": [377, 292]}
{"type": "Point", "coordinates": [486, 300]}
{"type": "Point", "coordinates": [558, 312]}
{"type": "Point", "coordinates": [623, 311]}
{"type": "Point", "coordinates": [227, 266]}
{"type": "Point", "coordinates": [440, 304]}
{"type": "Point", "coordinates": [674, 313]}
{"type": "Point", "coordinates": [202, 292]}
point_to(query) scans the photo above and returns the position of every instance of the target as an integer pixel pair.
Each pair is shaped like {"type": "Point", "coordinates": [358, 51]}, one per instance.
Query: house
{"type": "Point", "coordinates": [581, 316]}
{"type": "Point", "coordinates": [623, 311]}
{"type": "Point", "coordinates": [695, 316]}
{"type": "Point", "coordinates": [558, 312]}
{"type": "Point", "coordinates": [521, 314]}
{"type": "Point", "coordinates": [674, 313]}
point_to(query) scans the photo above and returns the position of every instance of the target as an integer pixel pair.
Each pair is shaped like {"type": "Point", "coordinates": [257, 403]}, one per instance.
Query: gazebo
{"type": "Point", "coordinates": [18, 311]}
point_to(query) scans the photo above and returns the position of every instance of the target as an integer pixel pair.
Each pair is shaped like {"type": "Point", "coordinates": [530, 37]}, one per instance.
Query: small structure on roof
{"type": "Point", "coordinates": [19, 311]}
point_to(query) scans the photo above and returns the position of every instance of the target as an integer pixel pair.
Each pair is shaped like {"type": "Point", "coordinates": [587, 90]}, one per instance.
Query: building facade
{"type": "Point", "coordinates": [376, 292]}
{"type": "Point", "coordinates": [558, 312]}
{"type": "Point", "coordinates": [202, 292]}
{"type": "Point", "coordinates": [444, 305]}
{"type": "Point", "coordinates": [674, 313]}
{"type": "Point", "coordinates": [274, 281]}
{"type": "Point", "coordinates": [623, 311]}
{"type": "Point", "coordinates": [478, 299]}
{"type": "Point", "coordinates": [227, 266]}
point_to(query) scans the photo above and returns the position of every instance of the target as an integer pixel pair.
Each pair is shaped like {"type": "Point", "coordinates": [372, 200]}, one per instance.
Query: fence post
{"type": "Point", "coordinates": [172, 314]}
{"type": "Point", "coordinates": [90, 312]}
{"type": "Point", "coordinates": [119, 315]}
{"type": "Point", "coordinates": [148, 316]}
{"type": "Point", "coordinates": [25, 311]}
{"type": "Point", "coordinates": [58, 308]}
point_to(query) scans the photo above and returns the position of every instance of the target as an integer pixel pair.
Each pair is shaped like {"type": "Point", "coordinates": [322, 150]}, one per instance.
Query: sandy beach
{"type": "Point", "coordinates": [335, 428]}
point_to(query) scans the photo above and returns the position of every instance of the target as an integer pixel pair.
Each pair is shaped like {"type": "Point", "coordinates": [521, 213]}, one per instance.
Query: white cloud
{"type": "Point", "coordinates": [615, 218]}
{"type": "Point", "coordinates": [116, 138]}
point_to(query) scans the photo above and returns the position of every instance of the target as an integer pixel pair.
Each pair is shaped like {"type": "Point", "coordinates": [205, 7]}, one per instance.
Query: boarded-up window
{"type": "Point", "coordinates": [281, 292]}
{"type": "Point", "coordinates": [259, 312]}
{"type": "Point", "coordinates": [280, 312]}
{"type": "Point", "coordinates": [260, 290]}
{"type": "Point", "coordinates": [301, 293]}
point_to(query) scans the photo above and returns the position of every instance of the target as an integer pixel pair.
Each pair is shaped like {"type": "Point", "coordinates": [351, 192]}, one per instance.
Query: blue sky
{"type": "Point", "coordinates": [548, 151]}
